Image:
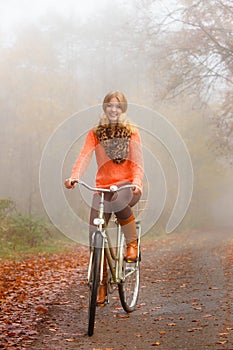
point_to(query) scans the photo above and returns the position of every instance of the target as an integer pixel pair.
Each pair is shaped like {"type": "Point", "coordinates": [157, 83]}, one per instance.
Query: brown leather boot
{"type": "Point", "coordinates": [132, 251]}
{"type": "Point", "coordinates": [102, 291]}
{"type": "Point", "coordinates": [130, 232]}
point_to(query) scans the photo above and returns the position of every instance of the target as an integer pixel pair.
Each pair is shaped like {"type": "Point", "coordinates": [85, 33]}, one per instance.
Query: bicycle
{"type": "Point", "coordinates": [124, 274]}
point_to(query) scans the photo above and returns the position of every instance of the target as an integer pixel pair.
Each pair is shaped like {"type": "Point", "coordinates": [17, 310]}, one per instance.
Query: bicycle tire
{"type": "Point", "coordinates": [128, 288]}
{"type": "Point", "coordinates": [94, 282]}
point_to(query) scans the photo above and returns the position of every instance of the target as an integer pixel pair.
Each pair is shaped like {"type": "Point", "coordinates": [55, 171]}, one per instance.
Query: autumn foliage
{"type": "Point", "coordinates": [28, 287]}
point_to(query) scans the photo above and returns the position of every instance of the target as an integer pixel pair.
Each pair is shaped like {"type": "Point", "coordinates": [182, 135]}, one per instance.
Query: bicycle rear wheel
{"type": "Point", "coordinates": [129, 286]}
{"type": "Point", "coordinates": [94, 282]}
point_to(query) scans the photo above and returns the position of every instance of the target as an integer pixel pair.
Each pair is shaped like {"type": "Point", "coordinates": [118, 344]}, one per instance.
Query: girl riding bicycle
{"type": "Point", "coordinates": [118, 152]}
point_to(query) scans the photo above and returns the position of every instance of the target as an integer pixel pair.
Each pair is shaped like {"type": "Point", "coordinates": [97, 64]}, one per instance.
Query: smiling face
{"type": "Point", "coordinates": [114, 105]}
{"type": "Point", "coordinates": [113, 110]}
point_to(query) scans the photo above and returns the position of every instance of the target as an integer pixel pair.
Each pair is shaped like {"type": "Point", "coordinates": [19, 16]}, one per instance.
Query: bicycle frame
{"type": "Point", "coordinates": [115, 262]}
{"type": "Point", "coordinates": [107, 247]}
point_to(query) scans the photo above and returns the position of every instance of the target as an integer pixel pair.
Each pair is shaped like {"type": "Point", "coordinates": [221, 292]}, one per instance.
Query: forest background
{"type": "Point", "coordinates": [174, 57]}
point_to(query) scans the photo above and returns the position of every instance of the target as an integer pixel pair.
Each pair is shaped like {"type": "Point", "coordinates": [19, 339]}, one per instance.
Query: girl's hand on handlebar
{"type": "Point", "coordinates": [137, 190]}
{"type": "Point", "coordinates": [68, 183]}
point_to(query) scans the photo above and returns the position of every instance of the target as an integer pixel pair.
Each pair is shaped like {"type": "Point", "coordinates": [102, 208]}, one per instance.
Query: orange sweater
{"type": "Point", "coordinates": [109, 173]}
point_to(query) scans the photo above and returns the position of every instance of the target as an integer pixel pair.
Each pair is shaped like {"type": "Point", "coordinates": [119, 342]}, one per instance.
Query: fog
{"type": "Point", "coordinates": [61, 57]}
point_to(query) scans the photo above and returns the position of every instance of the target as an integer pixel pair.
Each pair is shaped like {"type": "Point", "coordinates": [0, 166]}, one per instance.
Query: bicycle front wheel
{"type": "Point", "coordinates": [94, 282]}
{"type": "Point", "coordinates": [129, 286]}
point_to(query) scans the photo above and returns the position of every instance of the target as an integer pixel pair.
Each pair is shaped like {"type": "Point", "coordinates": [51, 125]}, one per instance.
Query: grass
{"type": "Point", "coordinates": [22, 235]}
{"type": "Point", "coordinates": [19, 250]}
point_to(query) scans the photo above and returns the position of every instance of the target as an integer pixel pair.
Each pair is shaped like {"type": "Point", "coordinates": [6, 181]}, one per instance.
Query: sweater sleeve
{"type": "Point", "coordinates": [136, 158]}
{"type": "Point", "coordinates": [85, 155]}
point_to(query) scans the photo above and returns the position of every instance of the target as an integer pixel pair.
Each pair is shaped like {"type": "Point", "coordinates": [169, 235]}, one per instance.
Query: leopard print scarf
{"type": "Point", "coordinates": [115, 142]}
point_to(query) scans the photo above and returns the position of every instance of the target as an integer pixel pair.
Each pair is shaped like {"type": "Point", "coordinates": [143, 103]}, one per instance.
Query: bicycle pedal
{"type": "Point", "coordinates": [130, 260]}
{"type": "Point", "coordinates": [101, 305]}
{"type": "Point", "coordinates": [106, 302]}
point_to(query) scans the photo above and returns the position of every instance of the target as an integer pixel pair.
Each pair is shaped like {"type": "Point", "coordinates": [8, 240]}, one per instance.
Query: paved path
{"type": "Point", "coordinates": [185, 302]}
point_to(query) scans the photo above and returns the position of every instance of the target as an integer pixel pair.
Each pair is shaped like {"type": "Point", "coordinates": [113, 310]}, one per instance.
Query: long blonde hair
{"type": "Point", "coordinates": [123, 119]}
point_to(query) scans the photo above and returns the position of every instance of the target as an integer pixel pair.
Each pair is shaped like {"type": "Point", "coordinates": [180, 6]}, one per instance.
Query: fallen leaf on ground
{"type": "Point", "coordinates": [41, 309]}
{"type": "Point", "coordinates": [221, 342]}
{"type": "Point", "coordinates": [122, 316]}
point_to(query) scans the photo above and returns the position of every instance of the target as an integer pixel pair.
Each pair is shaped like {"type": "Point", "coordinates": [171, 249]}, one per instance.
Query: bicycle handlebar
{"type": "Point", "coordinates": [113, 188]}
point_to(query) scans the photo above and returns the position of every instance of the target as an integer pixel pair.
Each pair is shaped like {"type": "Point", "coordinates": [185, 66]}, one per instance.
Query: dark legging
{"type": "Point", "coordinates": [119, 203]}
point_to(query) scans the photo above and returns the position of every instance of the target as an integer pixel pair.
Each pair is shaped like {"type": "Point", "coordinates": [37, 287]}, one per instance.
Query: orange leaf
{"type": "Point", "coordinates": [41, 309]}
{"type": "Point", "coordinates": [122, 316]}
